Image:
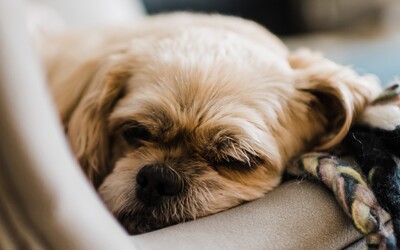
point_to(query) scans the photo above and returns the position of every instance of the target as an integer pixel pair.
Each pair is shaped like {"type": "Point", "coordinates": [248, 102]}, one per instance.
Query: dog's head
{"type": "Point", "coordinates": [176, 128]}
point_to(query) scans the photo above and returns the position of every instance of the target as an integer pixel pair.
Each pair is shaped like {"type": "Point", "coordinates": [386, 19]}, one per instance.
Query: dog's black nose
{"type": "Point", "coordinates": [155, 181]}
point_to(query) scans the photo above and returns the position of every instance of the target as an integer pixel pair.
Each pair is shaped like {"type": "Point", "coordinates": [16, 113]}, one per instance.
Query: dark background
{"type": "Point", "coordinates": [282, 17]}
{"type": "Point", "coordinates": [364, 34]}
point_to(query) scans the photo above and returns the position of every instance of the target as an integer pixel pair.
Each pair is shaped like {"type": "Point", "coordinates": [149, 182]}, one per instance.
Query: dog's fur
{"type": "Point", "coordinates": [222, 102]}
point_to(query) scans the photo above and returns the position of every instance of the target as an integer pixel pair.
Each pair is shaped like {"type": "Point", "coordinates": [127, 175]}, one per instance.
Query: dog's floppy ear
{"type": "Point", "coordinates": [338, 93]}
{"type": "Point", "coordinates": [86, 117]}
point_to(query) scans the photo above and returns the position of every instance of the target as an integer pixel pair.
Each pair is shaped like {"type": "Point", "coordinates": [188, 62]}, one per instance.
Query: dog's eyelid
{"type": "Point", "coordinates": [133, 132]}
{"type": "Point", "coordinates": [238, 164]}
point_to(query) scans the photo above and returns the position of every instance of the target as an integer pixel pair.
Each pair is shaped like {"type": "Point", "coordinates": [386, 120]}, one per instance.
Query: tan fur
{"type": "Point", "coordinates": [211, 90]}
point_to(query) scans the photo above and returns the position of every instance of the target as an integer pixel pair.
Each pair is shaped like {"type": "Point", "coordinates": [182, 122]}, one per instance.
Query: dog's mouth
{"type": "Point", "coordinates": [139, 223]}
{"type": "Point", "coordinates": [150, 218]}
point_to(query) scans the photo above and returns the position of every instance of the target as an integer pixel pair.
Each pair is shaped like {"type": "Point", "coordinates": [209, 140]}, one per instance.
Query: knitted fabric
{"type": "Point", "coordinates": [377, 152]}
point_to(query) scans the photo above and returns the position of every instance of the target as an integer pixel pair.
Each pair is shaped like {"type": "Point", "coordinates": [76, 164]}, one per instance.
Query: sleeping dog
{"type": "Point", "coordinates": [185, 115]}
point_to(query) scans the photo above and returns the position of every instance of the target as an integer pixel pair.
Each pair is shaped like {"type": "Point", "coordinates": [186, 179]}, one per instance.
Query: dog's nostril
{"type": "Point", "coordinates": [155, 181]}
{"type": "Point", "coordinates": [141, 179]}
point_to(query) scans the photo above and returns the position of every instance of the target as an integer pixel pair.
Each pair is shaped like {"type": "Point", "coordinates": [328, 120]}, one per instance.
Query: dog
{"type": "Point", "coordinates": [184, 115]}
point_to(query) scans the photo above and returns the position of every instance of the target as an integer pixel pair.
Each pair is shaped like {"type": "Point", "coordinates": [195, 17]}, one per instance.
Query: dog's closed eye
{"type": "Point", "coordinates": [135, 133]}
{"type": "Point", "coordinates": [249, 163]}
{"type": "Point", "coordinates": [234, 164]}
{"type": "Point", "coordinates": [226, 151]}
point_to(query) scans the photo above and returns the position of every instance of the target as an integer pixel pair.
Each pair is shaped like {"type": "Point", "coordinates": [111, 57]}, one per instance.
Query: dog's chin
{"type": "Point", "coordinates": [140, 218]}
{"type": "Point", "coordinates": [149, 219]}
{"type": "Point", "coordinates": [140, 222]}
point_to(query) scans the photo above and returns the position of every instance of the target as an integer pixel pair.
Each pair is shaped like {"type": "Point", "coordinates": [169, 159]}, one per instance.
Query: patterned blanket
{"type": "Point", "coordinates": [370, 186]}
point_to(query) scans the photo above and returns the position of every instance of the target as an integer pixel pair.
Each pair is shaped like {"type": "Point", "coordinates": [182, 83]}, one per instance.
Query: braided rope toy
{"type": "Point", "coordinates": [375, 146]}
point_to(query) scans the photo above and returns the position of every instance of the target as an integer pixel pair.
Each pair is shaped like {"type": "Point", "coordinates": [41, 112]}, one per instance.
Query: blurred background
{"type": "Point", "coordinates": [361, 33]}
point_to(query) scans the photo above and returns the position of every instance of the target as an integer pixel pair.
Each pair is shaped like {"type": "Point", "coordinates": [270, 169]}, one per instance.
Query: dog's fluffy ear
{"type": "Point", "coordinates": [102, 82]}
{"type": "Point", "coordinates": [339, 94]}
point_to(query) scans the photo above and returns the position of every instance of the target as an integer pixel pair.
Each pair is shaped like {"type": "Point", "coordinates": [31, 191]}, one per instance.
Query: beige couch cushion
{"type": "Point", "coordinates": [294, 216]}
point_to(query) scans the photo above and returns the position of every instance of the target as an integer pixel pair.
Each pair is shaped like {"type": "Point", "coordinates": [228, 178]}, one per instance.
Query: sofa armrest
{"type": "Point", "coordinates": [45, 200]}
